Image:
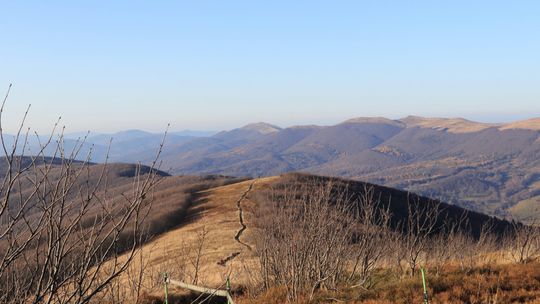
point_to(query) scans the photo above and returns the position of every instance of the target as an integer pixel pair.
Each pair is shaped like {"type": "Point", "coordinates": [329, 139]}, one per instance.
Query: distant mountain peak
{"type": "Point", "coordinates": [375, 120]}
{"type": "Point", "coordinates": [262, 127]}
{"type": "Point", "coordinates": [131, 132]}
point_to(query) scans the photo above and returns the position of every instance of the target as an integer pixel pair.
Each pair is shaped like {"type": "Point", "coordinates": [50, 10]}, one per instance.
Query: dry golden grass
{"type": "Point", "coordinates": [453, 125]}
{"type": "Point", "coordinates": [216, 211]}
{"type": "Point", "coordinates": [494, 284]}
{"type": "Point", "coordinates": [460, 125]}
{"type": "Point", "coordinates": [531, 124]}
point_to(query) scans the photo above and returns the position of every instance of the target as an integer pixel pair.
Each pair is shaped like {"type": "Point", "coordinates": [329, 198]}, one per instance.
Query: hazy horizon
{"type": "Point", "coordinates": [213, 65]}
{"type": "Point", "coordinates": [71, 132]}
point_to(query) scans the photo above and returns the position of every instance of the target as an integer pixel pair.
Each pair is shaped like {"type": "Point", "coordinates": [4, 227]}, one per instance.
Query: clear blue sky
{"type": "Point", "coordinates": [111, 65]}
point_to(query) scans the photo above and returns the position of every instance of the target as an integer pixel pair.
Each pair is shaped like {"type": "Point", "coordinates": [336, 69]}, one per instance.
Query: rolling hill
{"type": "Point", "coordinates": [113, 183]}
{"type": "Point", "coordinates": [491, 168]}
{"type": "Point", "coordinates": [225, 213]}
{"type": "Point", "coordinates": [230, 253]}
{"type": "Point", "coordinates": [483, 167]}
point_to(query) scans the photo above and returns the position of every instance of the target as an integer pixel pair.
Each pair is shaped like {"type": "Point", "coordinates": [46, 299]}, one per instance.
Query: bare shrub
{"type": "Point", "coordinates": [196, 260]}
{"type": "Point", "coordinates": [61, 234]}
{"type": "Point", "coordinates": [439, 252]}
{"type": "Point", "coordinates": [135, 274]}
{"type": "Point", "coordinates": [305, 230]}
{"type": "Point", "coordinates": [523, 242]}
{"type": "Point", "coordinates": [417, 229]}
{"type": "Point", "coordinates": [370, 237]}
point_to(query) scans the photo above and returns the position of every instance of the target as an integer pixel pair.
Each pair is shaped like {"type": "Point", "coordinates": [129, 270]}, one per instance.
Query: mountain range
{"type": "Point", "coordinates": [491, 168]}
